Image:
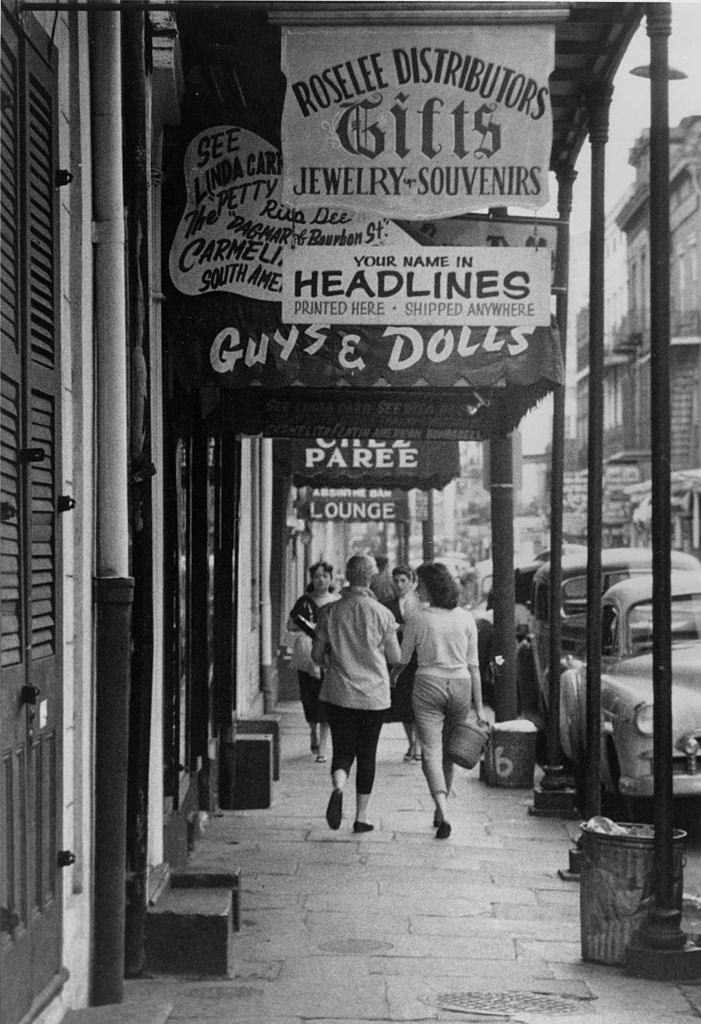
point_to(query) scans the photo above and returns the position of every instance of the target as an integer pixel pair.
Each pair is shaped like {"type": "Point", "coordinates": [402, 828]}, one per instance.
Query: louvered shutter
{"type": "Point", "coordinates": [30, 735]}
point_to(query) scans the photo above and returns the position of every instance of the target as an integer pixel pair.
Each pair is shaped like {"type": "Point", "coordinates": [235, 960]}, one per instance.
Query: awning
{"type": "Point", "coordinates": [392, 464]}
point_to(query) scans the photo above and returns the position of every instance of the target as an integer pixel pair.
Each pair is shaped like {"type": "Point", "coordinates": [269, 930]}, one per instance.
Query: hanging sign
{"type": "Point", "coordinates": [440, 285]}
{"type": "Point", "coordinates": [368, 462]}
{"type": "Point", "coordinates": [417, 122]}
{"type": "Point", "coordinates": [355, 505]}
{"type": "Point", "coordinates": [235, 230]}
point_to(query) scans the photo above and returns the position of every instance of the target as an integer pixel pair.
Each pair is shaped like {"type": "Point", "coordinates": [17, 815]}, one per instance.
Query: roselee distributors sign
{"type": "Point", "coordinates": [478, 286]}
{"type": "Point", "coordinates": [415, 122]}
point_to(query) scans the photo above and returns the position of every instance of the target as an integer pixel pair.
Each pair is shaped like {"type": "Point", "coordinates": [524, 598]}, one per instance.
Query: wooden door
{"type": "Point", "coordinates": [30, 674]}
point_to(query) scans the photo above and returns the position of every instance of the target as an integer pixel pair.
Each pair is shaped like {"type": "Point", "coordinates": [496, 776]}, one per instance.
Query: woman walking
{"type": "Point", "coordinates": [355, 639]}
{"type": "Point", "coordinates": [447, 682]}
{"type": "Point", "coordinates": [302, 622]}
{"type": "Point", "coordinates": [403, 605]}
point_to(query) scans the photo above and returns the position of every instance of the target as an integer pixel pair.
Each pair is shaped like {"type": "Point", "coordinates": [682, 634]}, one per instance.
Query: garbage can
{"type": "Point", "coordinates": [617, 887]}
{"type": "Point", "coordinates": [510, 757]}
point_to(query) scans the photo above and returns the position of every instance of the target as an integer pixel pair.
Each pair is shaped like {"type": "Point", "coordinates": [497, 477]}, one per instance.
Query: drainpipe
{"type": "Point", "coordinates": [113, 585]}
{"type": "Point", "coordinates": [266, 533]}
{"type": "Point", "coordinates": [598, 102]}
{"type": "Point", "coordinates": [137, 189]}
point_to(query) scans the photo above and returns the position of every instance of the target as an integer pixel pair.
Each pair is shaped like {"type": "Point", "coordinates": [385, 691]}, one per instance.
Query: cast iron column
{"type": "Point", "coordinates": [553, 777]}
{"type": "Point", "coordinates": [501, 486]}
{"type": "Point", "coordinates": [662, 928]}
{"type": "Point", "coordinates": [598, 102]}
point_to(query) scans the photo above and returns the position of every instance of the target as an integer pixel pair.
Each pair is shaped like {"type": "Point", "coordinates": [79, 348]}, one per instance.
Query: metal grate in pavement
{"type": "Point", "coordinates": [502, 1004]}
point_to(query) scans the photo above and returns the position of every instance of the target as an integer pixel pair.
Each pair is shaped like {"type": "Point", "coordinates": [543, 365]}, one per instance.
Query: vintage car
{"type": "Point", "coordinates": [626, 690]}
{"type": "Point", "coordinates": [533, 656]}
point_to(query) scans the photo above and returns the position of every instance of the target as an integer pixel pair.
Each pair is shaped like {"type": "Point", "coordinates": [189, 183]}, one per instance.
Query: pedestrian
{"type": "Point", "coordinates": [355, 639]}
{"type": "Point", "coordinates": [302, 623]}
{"type": "Point", "coordinates": [447, 682]}
{"type": "Point", "coordinates": [403, 605]}
{"type": "Point", "coordinates": [382, 585]}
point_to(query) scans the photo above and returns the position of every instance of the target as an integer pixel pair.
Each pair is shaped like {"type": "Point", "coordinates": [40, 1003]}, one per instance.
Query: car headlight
{"type": "Point", "coordinates": [689, 745]}
{"type": "Point", "coordinates": [642, 719]}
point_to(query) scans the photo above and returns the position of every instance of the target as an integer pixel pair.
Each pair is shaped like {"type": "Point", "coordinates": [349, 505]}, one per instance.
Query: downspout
{"type": "Point", "coordinates": [113, 586]}
{"type": "Point", "coordinates": [266, 538]}
{"type": "Point", "coordinates": [137, 196]}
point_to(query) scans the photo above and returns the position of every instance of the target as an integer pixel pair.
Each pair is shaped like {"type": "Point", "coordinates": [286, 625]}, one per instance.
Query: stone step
{"type": "Point", "coordinates": [140, 1012]}
{"type": "Point", "coordinates": [190, 931]}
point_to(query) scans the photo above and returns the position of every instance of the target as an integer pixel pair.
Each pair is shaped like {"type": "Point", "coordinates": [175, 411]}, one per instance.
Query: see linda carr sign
{"type": "Point", "coordinates": [451, 286]}
{"type": "Point", "coordinates": [417, 122]}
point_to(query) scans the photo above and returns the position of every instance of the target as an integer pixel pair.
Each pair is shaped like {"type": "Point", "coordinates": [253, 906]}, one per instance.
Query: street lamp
{"type": "Point", "coordinates": [660, 949]}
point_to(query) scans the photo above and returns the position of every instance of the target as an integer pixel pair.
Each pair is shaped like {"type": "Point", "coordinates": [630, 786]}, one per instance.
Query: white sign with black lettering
{"type": "Point", "coordinates": [446, 285]}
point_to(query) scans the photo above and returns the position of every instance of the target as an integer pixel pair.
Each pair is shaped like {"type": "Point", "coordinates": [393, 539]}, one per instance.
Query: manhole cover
{"type": "Point", "coordinates": [505, 1003]}
{"type": "Point", "coordinates": [356, 947]}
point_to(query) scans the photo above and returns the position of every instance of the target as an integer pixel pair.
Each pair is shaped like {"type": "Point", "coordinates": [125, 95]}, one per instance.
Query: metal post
{"type": "Point", "coordinates": [549, 797]}
{"type": "Point", "coordinates": [662, 929]}
{"type": "Point", "coordinates": [428, 528]}
{"type": "Point", "coordinates": [598, 102]}
{"type": "Point", "coordinates": [501, 485]}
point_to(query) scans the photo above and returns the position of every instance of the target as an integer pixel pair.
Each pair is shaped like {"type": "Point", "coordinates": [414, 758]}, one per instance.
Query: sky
{"type": "Point", "coordinates": [629, 115]}
{"type": "Point", "coordinates": [630, 106]}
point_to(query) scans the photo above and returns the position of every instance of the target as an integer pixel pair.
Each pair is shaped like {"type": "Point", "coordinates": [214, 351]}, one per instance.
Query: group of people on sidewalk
{"type": "Point", "coordinates": [362, 662]}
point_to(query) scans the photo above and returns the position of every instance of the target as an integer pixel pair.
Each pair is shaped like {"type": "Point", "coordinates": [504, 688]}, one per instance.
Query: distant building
{"type": "Point", "coordinates": [627, 384]}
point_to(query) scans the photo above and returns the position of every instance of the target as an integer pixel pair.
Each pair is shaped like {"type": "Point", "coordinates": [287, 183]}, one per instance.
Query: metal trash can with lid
{"type": "Point", "coordinates": [617, 886]}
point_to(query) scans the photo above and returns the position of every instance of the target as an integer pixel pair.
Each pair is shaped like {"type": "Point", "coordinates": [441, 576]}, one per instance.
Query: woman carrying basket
{"type": "Point", "coordinates": [447, 683]}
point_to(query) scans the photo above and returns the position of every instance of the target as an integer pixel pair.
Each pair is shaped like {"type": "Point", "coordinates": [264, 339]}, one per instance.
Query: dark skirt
{"type": "Point", "coordinates": [309, 687]}
{"type": "Point", "coordinates": [401, 709]}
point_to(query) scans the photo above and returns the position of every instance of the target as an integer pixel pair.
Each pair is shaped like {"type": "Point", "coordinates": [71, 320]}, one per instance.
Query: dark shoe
{"type": "Point", "coordinates": [321, 759]}
{"type": "Point", "coordinates": [443, 830]}
{"type": "Point", "coordinates": [334, 810]}
{"type": "Point", "coordinates": [362, 826]}
{"type": "Point", "coordinates": [437, 819]}
{"type": "Point", "coordinates": [409, 756]}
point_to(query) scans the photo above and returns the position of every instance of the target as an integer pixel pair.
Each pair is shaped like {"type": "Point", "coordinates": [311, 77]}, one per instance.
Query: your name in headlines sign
{"type": "Point", "coordinates": [477, 286]}
{"type": "Point", "coordinates": [417, 121]}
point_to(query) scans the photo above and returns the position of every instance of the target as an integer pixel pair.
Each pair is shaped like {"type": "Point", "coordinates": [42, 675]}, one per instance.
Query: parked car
{"type": "Point", "coordinates": [533, 656]}
{"type": "Point", "coordinates": [627, 694]}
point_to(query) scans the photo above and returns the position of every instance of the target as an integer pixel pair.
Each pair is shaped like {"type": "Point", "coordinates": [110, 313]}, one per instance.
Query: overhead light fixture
{"type": "Point", "coordinates": [643, 71]}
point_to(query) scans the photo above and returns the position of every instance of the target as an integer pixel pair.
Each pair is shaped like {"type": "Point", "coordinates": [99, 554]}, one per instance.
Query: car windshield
{"type": "Point", "coordinates": [685, 619]}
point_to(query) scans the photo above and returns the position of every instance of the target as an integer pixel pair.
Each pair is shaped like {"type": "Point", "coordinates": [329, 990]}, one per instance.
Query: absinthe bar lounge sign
{"type": "Point", "coordinates": [414, 124]}
{"type": "Point", "coordinates": [355, 505]}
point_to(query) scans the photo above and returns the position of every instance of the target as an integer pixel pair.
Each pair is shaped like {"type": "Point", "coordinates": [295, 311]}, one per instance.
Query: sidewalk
{"type": "Point", "coordinates": [395, 925]}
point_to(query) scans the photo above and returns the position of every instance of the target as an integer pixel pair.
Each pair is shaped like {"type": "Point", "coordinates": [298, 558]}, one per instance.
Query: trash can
{"type": "Point", "coordinates": [617, 887]}
{"type": "Point", "coordinates": [510, 757]}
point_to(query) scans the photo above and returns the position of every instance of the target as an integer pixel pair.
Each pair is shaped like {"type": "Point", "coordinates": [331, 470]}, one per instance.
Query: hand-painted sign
{"type": "Point", "coordinates": [368, 462]}
{"type": "Point", "coordinates": [235, 230]}
{"type": "Point", "coordinates": [438, 285]}
{"type": "Point", "coordinates": [355, 504]}
{"type": "Point", "coordinates": [417, 123]}
{"type": "Point", "coordinates": [399, 354]}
